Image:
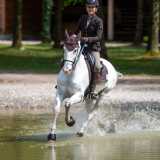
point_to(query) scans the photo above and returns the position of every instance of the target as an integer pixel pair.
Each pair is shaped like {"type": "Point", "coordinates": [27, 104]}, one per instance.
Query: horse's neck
{"type": "Point", "coordinates": [81, 63]}
{"type": "Point", "coordinates": [80, 68]}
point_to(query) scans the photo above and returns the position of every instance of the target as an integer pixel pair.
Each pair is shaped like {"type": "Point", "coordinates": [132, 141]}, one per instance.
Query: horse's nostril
{"type": "Point", "coordinates": [67, 71]}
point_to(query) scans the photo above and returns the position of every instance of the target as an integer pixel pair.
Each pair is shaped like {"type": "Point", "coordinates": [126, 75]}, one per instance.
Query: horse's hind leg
{"type": "Point", "coordinates": [92, 111]}
{"type": "Point", "coordinates": [83, 128]}
{"type": "Point", "coordinates": [56, 110]}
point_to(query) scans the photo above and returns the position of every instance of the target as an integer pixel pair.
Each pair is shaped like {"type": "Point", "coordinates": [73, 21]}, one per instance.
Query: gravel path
{"type": "Point", "coordinates": [34, 93]}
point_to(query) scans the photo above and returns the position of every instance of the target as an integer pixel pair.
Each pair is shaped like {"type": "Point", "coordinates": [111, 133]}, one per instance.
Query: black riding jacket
{"type": "Point", "coordinates": [93, 31]}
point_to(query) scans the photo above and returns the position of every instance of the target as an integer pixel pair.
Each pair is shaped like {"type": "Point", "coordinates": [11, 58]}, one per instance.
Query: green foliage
{"type": "Point", "coordinates": [73, 2]}
{"type": "Point", "coordinates": [145, 39]}
{"type": "Point", "coordinates": [46, 20]}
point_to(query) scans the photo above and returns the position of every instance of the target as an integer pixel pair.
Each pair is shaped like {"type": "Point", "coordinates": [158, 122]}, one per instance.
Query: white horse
{"type": "Point", "coordinates": [73, 80]}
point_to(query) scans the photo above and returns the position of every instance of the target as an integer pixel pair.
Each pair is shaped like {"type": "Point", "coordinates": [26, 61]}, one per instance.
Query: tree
{"type": "Point", "coordinates": [58, 9]}
{"type": "Point", "coordinates": [58, 6]}
{"type": "Point", "coordinates": [139, 25]}
{"type": "Point", "coordinates": [154, 37]}
{"type": "Point", "coordinates": [46, 20]}
{"type": "Point", "coordinates": [149, 25]}
{"type": "Point", "coordinates": [104, 48]}
{"type": "Point", "coordinates": [155, 27]}
{"type": "Point", "coordinates": [17, 28]}
{"type": "Point", "coordinates": [73, 2]}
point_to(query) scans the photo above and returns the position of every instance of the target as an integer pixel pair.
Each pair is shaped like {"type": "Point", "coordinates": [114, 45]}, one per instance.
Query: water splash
{"type": "Point", "coordinates": [122, 117]}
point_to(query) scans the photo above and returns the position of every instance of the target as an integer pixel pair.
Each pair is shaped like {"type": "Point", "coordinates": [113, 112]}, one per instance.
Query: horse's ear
{"type": "Point", "coordinates": [79, 35]}
{"type": "Point", "coordinates": [66, 34]}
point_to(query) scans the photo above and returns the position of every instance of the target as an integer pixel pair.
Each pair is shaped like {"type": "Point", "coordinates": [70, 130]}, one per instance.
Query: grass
{"type": "Point", "coordinates": [134, 61]}
{"type": "Point", "coordinates": [42, 58]}
{"type": "Point", "coordinates": [39, 58]}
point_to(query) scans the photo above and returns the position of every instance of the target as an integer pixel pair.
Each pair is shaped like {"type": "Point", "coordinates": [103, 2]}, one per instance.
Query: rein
{"type": "Point", "coordinates": [78, 56]}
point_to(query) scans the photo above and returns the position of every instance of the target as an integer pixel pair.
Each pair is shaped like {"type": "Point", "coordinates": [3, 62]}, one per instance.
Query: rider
{"type": "Point", "coordinates": [91, 27]}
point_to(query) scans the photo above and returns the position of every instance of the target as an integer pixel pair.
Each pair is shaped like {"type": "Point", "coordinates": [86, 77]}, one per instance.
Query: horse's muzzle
{"type": "Point", "coordinates": [67, 71]}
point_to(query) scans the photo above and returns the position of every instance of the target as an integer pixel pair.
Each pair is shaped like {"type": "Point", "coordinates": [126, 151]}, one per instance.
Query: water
{"type": "Point", "coordinates": [23, 137]}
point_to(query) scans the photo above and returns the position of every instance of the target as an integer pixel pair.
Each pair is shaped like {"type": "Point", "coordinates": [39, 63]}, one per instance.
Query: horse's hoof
{"type": "Point", "coordinates": [51, 137]}
{"type": "Point", "coordinates": [80, 134]}
{"type": "Point", "coordinates": [71, 122]}
{"type": "Point", "coordinates": [67, 105]}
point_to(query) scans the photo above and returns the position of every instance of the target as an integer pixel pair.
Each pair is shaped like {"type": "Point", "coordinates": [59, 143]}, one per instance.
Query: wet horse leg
{"type": "Point", "coordinates": [56, 111]}
{"type": "Point", "coordinates": [92, 111]}
{"type": "Point", "coordinates": [81, 132]}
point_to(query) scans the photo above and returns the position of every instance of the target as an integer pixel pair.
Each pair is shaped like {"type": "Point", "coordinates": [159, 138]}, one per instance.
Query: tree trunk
{"type": "Point", "coordinates": [46, 20]}
{"type": "Point", "coordinates": [149, 25]}
{"type": "Point", "coordinates": [17, 31]}
{"type": "Point", "coordinates": [155, 27]}
{"type": "Point", "coordinates": [58, 30]}
{"type": "Point", "coordinates": [104, 48]}
{"type": "Point", "coordinates": [139, 26]}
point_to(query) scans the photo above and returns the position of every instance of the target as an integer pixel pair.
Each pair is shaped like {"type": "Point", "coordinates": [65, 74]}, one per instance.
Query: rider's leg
{"type": "Point", "coordinates": [98, 67]}
{"type": "Point", "coordinates": [98, 64]}
{"type": "Point", "coordinates": [97, 73]}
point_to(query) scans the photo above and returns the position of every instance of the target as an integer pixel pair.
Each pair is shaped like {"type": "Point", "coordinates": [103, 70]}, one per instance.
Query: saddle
{"type": "Point", "coordinates": [90, 61]}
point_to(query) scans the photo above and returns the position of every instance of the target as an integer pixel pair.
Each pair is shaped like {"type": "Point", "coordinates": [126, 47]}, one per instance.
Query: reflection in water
{"type": "Point", "coordinates": [21, 139]}
{"type": "Point", "coordinates": [136, 147]}
{"type": "Point", "coordinates": [120, 148]}
{"type": "Point", "coordinates": [53, 152]}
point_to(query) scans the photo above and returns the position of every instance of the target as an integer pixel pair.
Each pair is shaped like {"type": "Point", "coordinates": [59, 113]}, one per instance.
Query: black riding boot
{"type": "Point", "coordinates": [93, 94]}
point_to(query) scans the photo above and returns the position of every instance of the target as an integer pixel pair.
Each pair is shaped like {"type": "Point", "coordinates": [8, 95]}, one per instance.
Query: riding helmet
{"type": "Point", "coordinates": [92, 2]}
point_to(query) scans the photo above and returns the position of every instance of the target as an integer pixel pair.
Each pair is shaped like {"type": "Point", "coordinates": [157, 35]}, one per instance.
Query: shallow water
{"type": "Point", "coordinates": [24, 138]}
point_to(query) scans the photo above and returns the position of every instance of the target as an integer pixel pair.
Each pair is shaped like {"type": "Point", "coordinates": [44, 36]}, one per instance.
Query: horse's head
{"type": "Point", "coordinates": [71, 49]}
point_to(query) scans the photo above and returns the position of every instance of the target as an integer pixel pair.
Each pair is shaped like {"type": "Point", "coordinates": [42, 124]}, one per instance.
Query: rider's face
{"type": "Point", "coordinates": [91, 9]}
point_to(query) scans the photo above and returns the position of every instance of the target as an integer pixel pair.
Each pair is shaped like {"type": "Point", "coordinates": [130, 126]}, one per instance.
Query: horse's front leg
{"type": "Point", "coordinates": [76, 98]}
{"type": "Point", "coordinates": [56, 111]}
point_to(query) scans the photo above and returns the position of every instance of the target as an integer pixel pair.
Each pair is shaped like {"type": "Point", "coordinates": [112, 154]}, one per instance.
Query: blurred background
{"type": "Point", "coordinates": [44, 22]}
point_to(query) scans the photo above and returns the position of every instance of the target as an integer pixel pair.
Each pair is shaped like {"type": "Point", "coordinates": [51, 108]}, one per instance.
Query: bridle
{"type": "Point", "coordinates": [79, 51]}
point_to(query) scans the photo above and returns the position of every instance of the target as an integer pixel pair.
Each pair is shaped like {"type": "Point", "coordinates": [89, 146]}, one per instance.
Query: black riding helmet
{"type": "Point", "coordinates": [92, 2]}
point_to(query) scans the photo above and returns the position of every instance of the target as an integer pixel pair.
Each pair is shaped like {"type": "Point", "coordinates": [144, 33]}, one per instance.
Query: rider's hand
{"type": "Point", "coordinates": [84, 39]}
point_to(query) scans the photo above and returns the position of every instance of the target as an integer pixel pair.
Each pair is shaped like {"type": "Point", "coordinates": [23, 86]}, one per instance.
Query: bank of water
{"type": "Point", "coordinates": [23, 137]}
